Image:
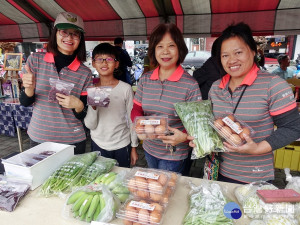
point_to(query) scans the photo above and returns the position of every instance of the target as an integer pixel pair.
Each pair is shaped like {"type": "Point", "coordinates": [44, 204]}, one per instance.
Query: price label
{"type": "Point", "coordinates": [147, 175]}
{"type": "Point", "coordinates": [150, 122]}
{"type": "Point", "coordinates": [141, 205]}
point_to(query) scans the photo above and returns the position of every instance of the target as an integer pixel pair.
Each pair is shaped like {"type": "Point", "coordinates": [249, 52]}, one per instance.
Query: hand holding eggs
{"type": "Point", "coordinates": [148, 127]}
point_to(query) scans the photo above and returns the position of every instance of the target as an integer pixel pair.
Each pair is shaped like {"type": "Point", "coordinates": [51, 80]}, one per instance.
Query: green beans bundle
{"type": "Point", "coordinates": [70, 172]}
{"type": "Point", "coordinates": [100, 166]}
{"type": "Point", "coordinates": [195, 117]}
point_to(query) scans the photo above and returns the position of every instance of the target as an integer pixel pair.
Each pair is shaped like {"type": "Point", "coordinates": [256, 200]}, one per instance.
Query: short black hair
{"type": "Point", "coordinates": [158, 34]}
{"type": "Point", "coordinates": [241, 30]}
{"type": "Point", "coordinates": [105, 49]}
{"type": "Point", "coordinates": [281, 57]}
{"type": "Point", "coordinates": [80, 51]}
{"type": "Point", "coordinates": [118, 40]}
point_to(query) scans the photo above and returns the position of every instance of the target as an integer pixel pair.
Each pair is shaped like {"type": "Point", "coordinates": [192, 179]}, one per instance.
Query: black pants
{"type": "Point", "coordinates": [79, 147]}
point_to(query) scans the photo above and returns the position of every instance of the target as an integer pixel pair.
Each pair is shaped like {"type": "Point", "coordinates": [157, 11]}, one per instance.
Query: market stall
{"type": "Point", "coordinates": [36, 210]}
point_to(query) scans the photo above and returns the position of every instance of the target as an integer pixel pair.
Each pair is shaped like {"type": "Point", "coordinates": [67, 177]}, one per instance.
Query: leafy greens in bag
{"type": "Point", "coordinates": [195, 117]}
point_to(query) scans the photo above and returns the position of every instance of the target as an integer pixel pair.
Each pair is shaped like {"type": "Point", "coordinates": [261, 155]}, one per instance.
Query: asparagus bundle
{"type": "Point", "coordinates": [100, 166]}
{"type": "Point", "coordinates": [195, 117]}
{"type": "Point", "coordinates": [70, 172]}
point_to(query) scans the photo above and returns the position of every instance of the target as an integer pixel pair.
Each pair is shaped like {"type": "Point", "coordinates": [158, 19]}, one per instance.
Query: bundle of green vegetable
{"type": "Point", "coordinates": [100, 166]}
{"type": "Point", "coordinates": [195, 117]}
{"type": "Point", "coordinates": [206, 206]}
{"type": "Point", "coordinates": [70, 172]}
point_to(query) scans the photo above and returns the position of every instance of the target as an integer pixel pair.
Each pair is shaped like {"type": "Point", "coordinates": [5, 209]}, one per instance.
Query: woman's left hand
{"type": "Point", "coordinates": [70, 102]}
{"type": "Point", "coordinates": [177, 137]}
{"type": "Point", "coordinates": [250, 147]}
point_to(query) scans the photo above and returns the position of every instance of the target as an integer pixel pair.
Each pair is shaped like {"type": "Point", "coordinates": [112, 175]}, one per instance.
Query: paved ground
{"type": "Point", "coordinates": [9, 145]}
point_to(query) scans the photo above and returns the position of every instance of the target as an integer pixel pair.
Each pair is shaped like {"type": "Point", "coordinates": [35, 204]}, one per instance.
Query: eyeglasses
{"type": "Point", "coordinates": [108, 60]}
{"type": "Point", "coordinates": [65, 33]}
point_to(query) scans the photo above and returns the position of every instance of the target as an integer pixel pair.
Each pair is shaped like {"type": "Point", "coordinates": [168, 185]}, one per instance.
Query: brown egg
{"type": "Point", "coordinates": [140, 129]}
{"type": "Point", "coordinates": [149, 129]}
{"type": "Point", "coordinates": [142, 136]}
{"type": "Point", "coordinates": [132, 185]}
{"type": "Point", "coordinates": [219, 123]}
{"type": "Point", "coordinates": [131, 214]}
{"type": "Point", "coordinates": [162, 179]}
{"type": "Point", "coordinates": [141, 183]}
{"type": "Point", "coordinates": [157, 207]}
{"type": "Point", "coordinates": [231, 117]}
{"type": "Point", "coordinates": [143, 201]}
{"type": "Point", "coordinates": [143, 216]}
{"type": "Point", "coordinates": [226, 131]}
{"type": "Point", "coordinates": [168, 192]}
{"type": "Point", "coordinates": [235, 139]}
{"type": "Point", "coordinates": [246, 131]}
{"type": "Point", "coordinates": [174, 176]}
{"type": "Point", "coordinates": [154, 186]}
{"type": "Point", "coordinates": [155, 217]}
{"type": "Point", "coordinates": [160, 129]}
{"type": "Point", "coordinates": [172, 183]}
{"type": "Point", "coordinates": [155, 197]}
{"type": "Point", "coordinates": [136, 223]}
{"type": "Point", "coordinates": [142, 194]}
{"type": "Point", "coordinates": [165, 199]}
{"type": "Point", "coordinates": [127, 222]}
{"type": "Point", "coordinates": [163, 122]}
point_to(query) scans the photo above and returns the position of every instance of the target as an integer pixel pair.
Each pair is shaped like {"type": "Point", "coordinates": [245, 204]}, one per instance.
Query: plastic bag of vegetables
{"type": "Point", "coordinates": [100, 166]}
{"type": "Point", "coordinates": [195, 117]}
{"type": "Point", "coordinates": [206, 206]}
{"type": "Point", "coordinates": [70, 172]}
{"type": "Point", "coordinates": [92, 202]}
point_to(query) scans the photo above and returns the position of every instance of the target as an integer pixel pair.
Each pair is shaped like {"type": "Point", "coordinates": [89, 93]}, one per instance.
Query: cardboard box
{"type": "Point", "coordinates": [39, 172]}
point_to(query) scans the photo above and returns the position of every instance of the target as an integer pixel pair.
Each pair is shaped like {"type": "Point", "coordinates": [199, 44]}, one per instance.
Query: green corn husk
{"type": "Point", "coordinates": [195, 117]}
{"type": "Point", "coordinates": [100, 166]}
{"type": "Point", "coordinates": [70, 172]}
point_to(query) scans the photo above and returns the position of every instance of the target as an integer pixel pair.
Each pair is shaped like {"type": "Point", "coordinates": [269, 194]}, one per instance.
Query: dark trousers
{"type": "Point", "coordinates": [122, 155]}
{"type": "Point", "coordinates": [79, 147]}
{"type": "Point", "coordinates": [226, 179]}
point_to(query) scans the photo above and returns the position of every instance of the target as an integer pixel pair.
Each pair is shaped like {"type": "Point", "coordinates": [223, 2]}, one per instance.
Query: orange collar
{"type": "Point", "coordinates": [174, 77]}
{"type": "Point", "coordinates": [49, 57]}
{"type": "Point", "coordinates": [248, 80]}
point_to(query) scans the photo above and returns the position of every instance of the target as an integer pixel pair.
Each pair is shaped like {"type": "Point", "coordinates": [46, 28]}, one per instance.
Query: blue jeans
{"type": "Point", "coordinates": [170, 165]}
{"type": "Point", "coordinates": [122, 155]}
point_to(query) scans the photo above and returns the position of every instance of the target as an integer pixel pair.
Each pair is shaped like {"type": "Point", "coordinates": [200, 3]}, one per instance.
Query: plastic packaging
{"type": "Point", "coordinates": [149, 127]}
{"type": "Point", "coordinates": [148, 184]}
{"type": "Point", "coordinates": [59, 86]}
{"type": "Point", "coordinates": [99, 96]}
{"type": "Point", "coordinates": [232, 129]}
{"type": "Point", "coordinates": [91, 202]}
{"type": "Point", "coordinates": [207, 203]}
{"type": "Point", "coordinates": [141, 212]}
{"type": "Point", "coordinates": [11, 193]}
{"type": "Point", "coordinates": [195, 117]}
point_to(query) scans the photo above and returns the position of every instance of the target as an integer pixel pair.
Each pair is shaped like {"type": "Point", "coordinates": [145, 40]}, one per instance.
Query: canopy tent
{"type": "Point", "coordinates": [31, 20]}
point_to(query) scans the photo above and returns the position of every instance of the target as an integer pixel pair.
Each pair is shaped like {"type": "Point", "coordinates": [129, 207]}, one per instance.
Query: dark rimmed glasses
{"type": "Point", "coordinates": [101, 60]}
{"type": "Point", "coordinates": [65, 33]}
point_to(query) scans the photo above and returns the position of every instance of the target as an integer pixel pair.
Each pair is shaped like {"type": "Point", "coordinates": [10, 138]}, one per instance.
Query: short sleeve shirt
{"type": "Point", "coordinates": [158, 97]}
{"type": "Point", "coordinates": [266, 95]}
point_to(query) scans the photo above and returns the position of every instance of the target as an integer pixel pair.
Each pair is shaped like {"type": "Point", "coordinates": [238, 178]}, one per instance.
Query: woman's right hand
{"type": "Point", "coordinates": [191, 143]}
{"type": "Point", "coordinates": [28, 80]}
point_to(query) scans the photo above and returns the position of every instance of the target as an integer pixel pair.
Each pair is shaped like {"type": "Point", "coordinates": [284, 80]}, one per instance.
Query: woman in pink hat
{"type": "Point", "coordinates": [58, 118]}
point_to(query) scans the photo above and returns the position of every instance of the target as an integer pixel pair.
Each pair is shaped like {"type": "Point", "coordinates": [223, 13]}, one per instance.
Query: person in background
{"type": "Point", "coordinates": [209, 72]}
{"type": "Point", "coordinates": [256, 97]}
{"type": "Point", "coordinates": [283, 70]}
{"type": "Point", "coordinates": [125, 61]}
{"type": "Point", "coordinates": [111, 129]}
{"type": "Point", "coordinates": [157, 92]}
{"type": "Point", "coordinates": [58, 122]}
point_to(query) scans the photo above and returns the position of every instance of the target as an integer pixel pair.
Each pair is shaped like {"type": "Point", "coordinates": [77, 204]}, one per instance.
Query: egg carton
{"type": "Point", "coordinates": [149, 127]}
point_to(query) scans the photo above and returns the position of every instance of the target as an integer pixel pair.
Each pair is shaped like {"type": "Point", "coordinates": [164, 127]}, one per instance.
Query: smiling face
{"type": "Point", "coordinates": [106, 67]}
{"type": "Point", "coordinates": [166, 52]}
{"type": "Point", "coordinates": [67, 45]}
{"type": "Point", "coordinates": [236, 57]}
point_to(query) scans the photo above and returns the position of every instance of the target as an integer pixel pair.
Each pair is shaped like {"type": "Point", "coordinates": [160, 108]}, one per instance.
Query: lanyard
{"type": "Point", "coordinates": [238, 102]}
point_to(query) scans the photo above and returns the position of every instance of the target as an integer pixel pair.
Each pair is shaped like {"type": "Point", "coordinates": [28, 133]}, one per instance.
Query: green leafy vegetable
{"type": "Point", "coordinates": [195, 117]}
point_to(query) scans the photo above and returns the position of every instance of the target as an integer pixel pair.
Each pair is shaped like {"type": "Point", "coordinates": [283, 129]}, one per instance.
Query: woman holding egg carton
{"type": "Point", "coordinates": [259, 99]}
{"type": "Point", "coordinates": [157, 92]}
